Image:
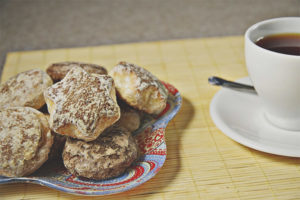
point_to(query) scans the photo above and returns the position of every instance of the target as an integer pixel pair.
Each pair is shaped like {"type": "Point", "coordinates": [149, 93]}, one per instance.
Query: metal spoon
{"type": "Point", "coordinates": [213, 80]}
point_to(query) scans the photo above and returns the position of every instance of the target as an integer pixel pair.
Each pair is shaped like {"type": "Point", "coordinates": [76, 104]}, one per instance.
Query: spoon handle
{"type": "Point", "coordinates": [213, 80]}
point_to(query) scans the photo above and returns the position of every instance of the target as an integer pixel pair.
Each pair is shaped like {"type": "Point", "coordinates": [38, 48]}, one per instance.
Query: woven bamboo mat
{"type": "Point", "coordinates": [202, 163]}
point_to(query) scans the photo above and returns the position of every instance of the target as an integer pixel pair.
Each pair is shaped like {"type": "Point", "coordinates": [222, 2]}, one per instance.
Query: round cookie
{"type": "Point", "coordinates": [82, 105]}
{"type": "Point", "coordinates": [57, 71]}
{"type": "Point", "coordinates": [25, 141]}
{"type": "Point", "coordinates": [58, 144]}
{"type": "Point", "coordinates": [139, 88]}
{"type": "Point", "coordinates": [57, 147]}
{"type": "Point", "coordinates": [130, 118]}
{"type": "Point", "coordinates": [25, 89]}
{"type": "Point", "coordinates": [106, 157]}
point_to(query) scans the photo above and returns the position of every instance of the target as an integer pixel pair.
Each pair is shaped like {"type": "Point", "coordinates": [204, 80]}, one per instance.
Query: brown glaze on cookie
{"type": "Point", "coordinates": [82, 105]}
{"type": "Point", "coordinates": [25, 89]}
{"type": "Point", "coordinates": [57, 71]}
{"type": "Point", "coordinates": [25, 141]}
{"type": "Point", "coordinates": [106, 157]}
{"type": "Point", "coordinates": [139, 88]}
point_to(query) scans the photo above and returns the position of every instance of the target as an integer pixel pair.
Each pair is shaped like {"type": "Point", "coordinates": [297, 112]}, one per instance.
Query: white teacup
{"type": "Point", "coordinates": [275, 76]}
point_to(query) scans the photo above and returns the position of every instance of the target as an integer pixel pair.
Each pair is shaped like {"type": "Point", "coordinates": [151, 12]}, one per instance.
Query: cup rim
{"type": "Point", "coordinates": [256, 25]}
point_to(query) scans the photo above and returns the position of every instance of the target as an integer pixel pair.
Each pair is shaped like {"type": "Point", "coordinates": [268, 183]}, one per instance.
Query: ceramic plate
{"type": "Point", "coordinates": [151, 141]}
{"type": "Point", "coordinates": [241, 117]}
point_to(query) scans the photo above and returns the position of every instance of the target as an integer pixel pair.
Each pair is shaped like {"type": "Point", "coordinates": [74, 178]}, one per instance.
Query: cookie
{"type": "Point", "coordinates": [57, 71]}
{"type": "Point", "coordinates": [82, 105]}
{"type": "Point", "coordinates": [106, 157]}
{"type": "Point", "coordinates": [58, 144]}
{"type": "Point", "coordinates": [130, 118]}
{"type": "Point", "coordinates": [25, 141]}
{"type": "Point", "coordinates": [25, 89]}
{"type": "Point", "coordinates": [139, 88]}
{"type": "Point", "coordinates": [57, 147]}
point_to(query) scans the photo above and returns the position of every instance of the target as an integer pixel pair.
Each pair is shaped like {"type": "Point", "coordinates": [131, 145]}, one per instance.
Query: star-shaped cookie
{"type": "Point", "coordinates": [82, 105]}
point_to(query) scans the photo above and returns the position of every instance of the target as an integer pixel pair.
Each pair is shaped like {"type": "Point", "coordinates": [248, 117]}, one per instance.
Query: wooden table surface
{"type": "Point", "coordinates": [202, 163]}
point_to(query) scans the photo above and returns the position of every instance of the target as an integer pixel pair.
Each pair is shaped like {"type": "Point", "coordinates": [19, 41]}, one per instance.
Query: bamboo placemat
{"type": "Point", "coordinates": [202, 163]}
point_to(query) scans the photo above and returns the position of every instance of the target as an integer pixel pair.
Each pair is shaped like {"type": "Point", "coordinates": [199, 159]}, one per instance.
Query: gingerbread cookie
{"type": "Point", "coordinates": [139, 88]}
{"type": "Point", "coordinates": [106, 157]}
{"type": "Point", "coordinates": [82, 105]}
{"type": "Point", "coordinates": [25, 141]}
{"type": "Point", "coordinates": [57, 147]}
{"type": "Point", "coordinates": [57, 71]}
{"type": "Point", "coordinates": [25, 89]}
{"type": "Point", "coordinates": [130, 118]}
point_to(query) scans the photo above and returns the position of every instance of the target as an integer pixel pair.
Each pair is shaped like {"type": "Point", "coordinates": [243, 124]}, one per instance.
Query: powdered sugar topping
{"type": "Point", "coordinates": [144, 78]}
{"type": "Point", "coordinates": [20, 133]}
{"type": "Point", "coordinates": [82, 99]}
{"type": "Point", "coordinates": [22, 89]}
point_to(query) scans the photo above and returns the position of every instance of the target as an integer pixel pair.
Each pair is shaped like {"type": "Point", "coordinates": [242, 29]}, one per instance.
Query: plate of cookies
{"type": "Point", "coordinates": [80, 129]}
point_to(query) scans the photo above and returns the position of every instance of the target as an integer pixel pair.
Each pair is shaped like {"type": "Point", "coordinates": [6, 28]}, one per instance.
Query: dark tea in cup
{"type": "Point", "coordinates": [286, 43]}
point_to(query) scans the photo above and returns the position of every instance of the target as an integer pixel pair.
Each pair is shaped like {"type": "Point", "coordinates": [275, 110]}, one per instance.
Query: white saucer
{"type": "Point", "coordinates": [240, 116]}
